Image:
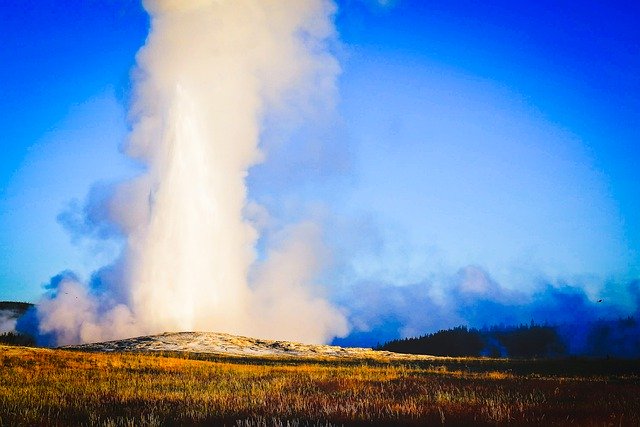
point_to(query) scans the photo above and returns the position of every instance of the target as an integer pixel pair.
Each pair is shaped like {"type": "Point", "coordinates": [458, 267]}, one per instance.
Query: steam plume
{"type": "Point", "coordinates": [207, 75]}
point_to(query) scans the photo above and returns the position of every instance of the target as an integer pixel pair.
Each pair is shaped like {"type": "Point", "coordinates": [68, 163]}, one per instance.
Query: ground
{"type": "Point", "coordinates": [63, 387]}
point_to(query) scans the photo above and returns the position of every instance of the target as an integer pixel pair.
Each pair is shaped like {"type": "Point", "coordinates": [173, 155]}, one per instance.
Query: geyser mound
{"type": "Point", "coordinates": [234, 345]}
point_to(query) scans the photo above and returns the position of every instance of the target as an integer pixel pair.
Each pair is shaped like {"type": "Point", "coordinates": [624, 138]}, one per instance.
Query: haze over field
{"type": "Point", "coordinates": [314, 170]}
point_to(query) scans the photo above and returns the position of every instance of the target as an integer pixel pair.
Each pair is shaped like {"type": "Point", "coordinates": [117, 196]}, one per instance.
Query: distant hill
{"type": "Point", "coordinates": [17, 307]}
{"type": "Point", "coordinates": [602, 338]}
{"type": "Point", "coordinates": [522, 341]}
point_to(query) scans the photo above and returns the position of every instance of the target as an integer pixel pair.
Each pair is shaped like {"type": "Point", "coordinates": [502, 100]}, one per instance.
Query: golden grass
{"type": "Point", "coordinates": [56, 387]}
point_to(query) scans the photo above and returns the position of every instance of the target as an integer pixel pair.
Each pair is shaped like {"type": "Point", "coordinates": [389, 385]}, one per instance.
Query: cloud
{"type": "Point", "coordinates": [70, 314]}
{"type": "Point", "coordinates": [91, 219]}
{"type": "Point", "coordinates": [285, 291]}
{"type": "Point", "coordinates": [381, 4]}
{"type": "Point", "coordinates": [470, 297]}
{"type": "Point", "coordinates": [207, 79]}
{"type": "Point", "coordinates": [7, 321]}
{"type": "Point", "coordinates": [386, 3]}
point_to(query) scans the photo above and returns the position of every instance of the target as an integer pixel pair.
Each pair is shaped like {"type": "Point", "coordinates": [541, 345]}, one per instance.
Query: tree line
{"type": "Point", "coordinates": [618, 338]}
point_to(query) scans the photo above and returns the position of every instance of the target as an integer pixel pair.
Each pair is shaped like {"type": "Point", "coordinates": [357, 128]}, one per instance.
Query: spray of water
{"type": "Point", "coordinates": [207, 75]}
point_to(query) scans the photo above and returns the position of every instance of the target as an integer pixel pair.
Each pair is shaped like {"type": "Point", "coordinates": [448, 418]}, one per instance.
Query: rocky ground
{"type": "Point", "coordinates": [232, 345]}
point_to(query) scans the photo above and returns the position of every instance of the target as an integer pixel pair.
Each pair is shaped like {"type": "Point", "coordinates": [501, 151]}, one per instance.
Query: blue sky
{"type": "Point", "coordinates": [499, 134]}
{"type": "Point", "coordinates": [64, 77]}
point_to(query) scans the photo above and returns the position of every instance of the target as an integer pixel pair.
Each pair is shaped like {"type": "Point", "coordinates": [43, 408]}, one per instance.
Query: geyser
{"type": "Point", "coordinates": [209, 72]}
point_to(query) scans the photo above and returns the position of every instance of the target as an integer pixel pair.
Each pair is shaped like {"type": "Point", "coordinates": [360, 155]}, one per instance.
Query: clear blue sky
{"type": "Point", "coordinates": [499, 134]}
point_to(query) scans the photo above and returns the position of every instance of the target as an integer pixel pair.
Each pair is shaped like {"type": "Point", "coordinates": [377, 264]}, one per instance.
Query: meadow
{"type": "Point", "coordinates": [59, 388]}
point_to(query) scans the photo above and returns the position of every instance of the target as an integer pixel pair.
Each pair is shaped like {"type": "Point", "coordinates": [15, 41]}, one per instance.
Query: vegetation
{"type": "Point", "coordinates": [57, 387]}
{"type": "Point", "coordinates": [601, 338]}
{"type": "Point", "coordinates": [455, 342]}
{"type": "Point", "coordinates": [525, 341]}
{"type": "Point", "coordinates": [15, 338]}
{"type": "Point", "coordinates": [18, 307]}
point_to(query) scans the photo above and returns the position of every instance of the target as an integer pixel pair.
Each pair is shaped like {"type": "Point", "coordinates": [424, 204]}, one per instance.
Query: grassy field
{"type": "Point", "coordinates": [56, 387]}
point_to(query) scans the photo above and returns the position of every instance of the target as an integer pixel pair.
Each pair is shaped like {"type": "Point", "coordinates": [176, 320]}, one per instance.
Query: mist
{"type": "Point", "coordinates": [7, 321]}
{"type": "Point", "coordinates": [206, 78]}
{"type": "Point", "coordinates": [594, 325]}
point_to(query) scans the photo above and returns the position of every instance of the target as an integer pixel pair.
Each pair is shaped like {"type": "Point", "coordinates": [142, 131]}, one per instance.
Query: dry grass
{"type": "Point", "coordinates": [55, 387]}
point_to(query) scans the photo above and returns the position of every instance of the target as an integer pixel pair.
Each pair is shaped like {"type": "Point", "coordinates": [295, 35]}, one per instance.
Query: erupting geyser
{"type": "Point", "coordinates": [205, 77]}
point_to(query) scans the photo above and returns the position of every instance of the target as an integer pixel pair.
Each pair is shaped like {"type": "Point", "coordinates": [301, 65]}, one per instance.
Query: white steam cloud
{"type": "Point", "coordinates": [207, 75]}
{"type": "Point", "coordinates": [7, 321]}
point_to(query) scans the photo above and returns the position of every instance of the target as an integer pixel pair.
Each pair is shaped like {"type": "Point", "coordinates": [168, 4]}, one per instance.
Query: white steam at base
{"type": "Point", "coordinates": [207, 74]}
